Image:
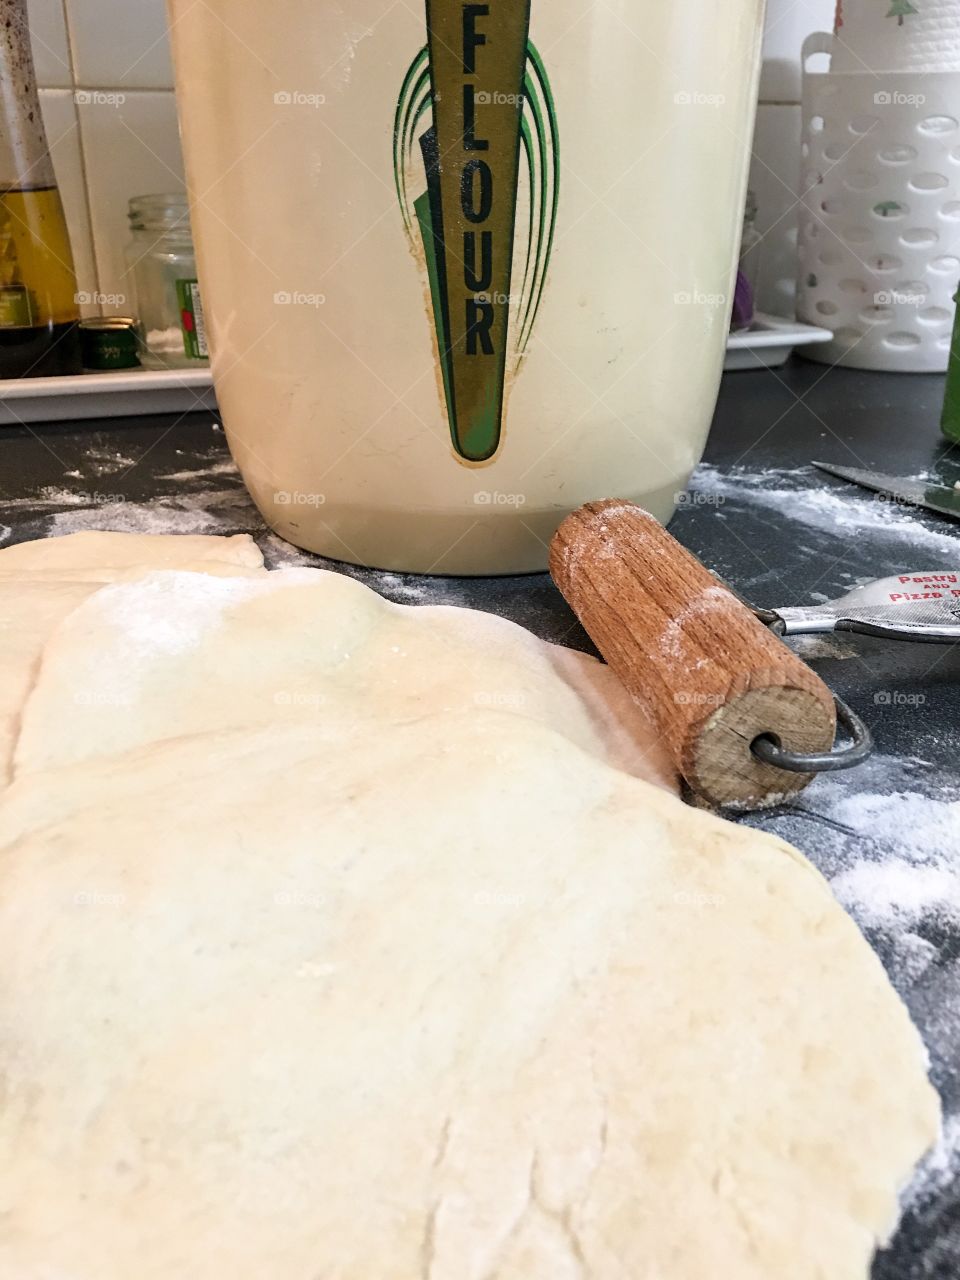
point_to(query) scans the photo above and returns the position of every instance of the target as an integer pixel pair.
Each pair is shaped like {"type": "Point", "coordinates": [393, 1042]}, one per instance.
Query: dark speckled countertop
{"type": "Point", "coordinates": [782, 534]}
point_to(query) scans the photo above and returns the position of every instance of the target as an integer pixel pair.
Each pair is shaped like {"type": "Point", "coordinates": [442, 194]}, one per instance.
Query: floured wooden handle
{"type": "Point", "coordinates": [709, 674]}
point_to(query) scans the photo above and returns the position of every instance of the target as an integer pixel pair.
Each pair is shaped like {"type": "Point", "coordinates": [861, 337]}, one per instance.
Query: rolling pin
{"type": "Point", "coordinates": [709, 675]}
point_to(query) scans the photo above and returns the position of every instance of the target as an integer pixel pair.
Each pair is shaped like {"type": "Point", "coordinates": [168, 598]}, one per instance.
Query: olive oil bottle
{"type": "Point", "coordinates": [39, 312]}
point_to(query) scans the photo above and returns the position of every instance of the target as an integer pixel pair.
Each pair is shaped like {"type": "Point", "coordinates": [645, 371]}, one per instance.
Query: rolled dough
{"type": "Point", "coordinates": [340, 940]}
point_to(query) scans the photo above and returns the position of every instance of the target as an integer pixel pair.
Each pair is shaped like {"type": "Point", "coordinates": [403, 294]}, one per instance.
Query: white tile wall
{"type": "Point", "coordinates": [106, 91]}
{"type": "Point", "coordinates": [129, 146]}
{"type": "Point", "coordinates": [120, 43]}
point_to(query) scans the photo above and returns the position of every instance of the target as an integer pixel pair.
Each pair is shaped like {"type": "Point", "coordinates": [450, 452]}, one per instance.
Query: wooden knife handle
{"type": "Point", "coordinates": [710, 676]}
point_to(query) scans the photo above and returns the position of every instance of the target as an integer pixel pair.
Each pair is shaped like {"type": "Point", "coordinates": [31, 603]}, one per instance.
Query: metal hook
{"type": "Point", "coordinates": [768, 747]}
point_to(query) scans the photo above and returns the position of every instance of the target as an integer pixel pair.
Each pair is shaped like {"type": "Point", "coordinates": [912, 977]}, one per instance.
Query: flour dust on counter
{"type": "Point", "coordinates": [398, 588]}
{"type": "Point", "coordinates": [103, 497]}
{"type": "Point", "coordinates": [828, 644]}
{"type": "Point", "coordinates": [223, 467]}
{"type": "Point", "coordinates": [204, 511]}
{"type": "Point", "coordinates": [103, 458]}
{"type": "Point", "coordinates": [939, 1171]}
{"type": "Point", "coordinates": [803, 496]}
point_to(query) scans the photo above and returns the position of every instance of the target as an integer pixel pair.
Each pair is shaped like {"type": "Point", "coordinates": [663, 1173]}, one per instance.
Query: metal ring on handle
{"type": "Point", "coordinates": [768, 748]}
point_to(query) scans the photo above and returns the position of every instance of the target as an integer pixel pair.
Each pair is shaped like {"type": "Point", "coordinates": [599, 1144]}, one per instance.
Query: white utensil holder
{"type": "Point", "coordinates": [879, 237]}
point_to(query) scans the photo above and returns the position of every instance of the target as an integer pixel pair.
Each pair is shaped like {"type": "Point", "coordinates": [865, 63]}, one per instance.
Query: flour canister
{"type": "Point", "coordinates": [464, 266]}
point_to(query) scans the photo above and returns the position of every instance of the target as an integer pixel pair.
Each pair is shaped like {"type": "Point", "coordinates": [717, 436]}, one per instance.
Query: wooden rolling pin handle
{"type": "Point", "coordinates": [709, 675]}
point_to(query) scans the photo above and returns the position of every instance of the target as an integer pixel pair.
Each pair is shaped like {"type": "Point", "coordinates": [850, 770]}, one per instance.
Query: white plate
{"type": "Point", "coordinates": [119, 394]}
{"type": "Point", "coordinates": [768, 342]}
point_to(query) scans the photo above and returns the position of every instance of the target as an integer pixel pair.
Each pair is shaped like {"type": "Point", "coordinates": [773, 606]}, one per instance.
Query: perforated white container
{"type": "Point", "coordinates": [879, 242]}
{"type": "Point", "coordinates": [872, 38]}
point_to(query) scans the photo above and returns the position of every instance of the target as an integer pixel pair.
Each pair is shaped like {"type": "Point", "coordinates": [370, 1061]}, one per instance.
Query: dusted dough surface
{"type": "Point", "coordinates": [333, 945]}
{"type": "Point", "coordinates": [304, 643]}
{"type": "Point", "coordinates": [41, 582]}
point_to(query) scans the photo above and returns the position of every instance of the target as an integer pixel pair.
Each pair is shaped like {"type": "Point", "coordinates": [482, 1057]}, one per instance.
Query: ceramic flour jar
{"type": "Point", "coordinates": [464, 266]}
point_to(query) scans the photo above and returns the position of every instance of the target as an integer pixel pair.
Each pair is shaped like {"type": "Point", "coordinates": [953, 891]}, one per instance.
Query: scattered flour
{"type": "Point", "coordinates": [223, 468]}
{"type": "Point", "coordinates": [940, 1170]}
{"type": "Point", "coordinates": [898, 891]}
{"type": "Point", "coordinates": [922, 825]}
{"type": "Point", "coordinates": [831, 507]}
{"type": "Point", "coordinates": [49, 498]}
{"type": "Point", "coordinates": [204, 511]}
{"type": "Point", "coordinates": [826, 644]}
{"type": "Point", "coordinates": [104, 461]}
{"type": "Point", "coordinates": [891, 854]}
{"type": "Point", "coordinates": [406, 589]}
{"type": "Point", "coordinates": [279, 554]}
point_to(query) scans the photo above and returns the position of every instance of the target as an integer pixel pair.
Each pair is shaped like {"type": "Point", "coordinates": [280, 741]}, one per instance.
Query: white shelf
{"type": "Point", "coordinates": [122, 393]}
{"type": "Point", "coordinates": [768, 342]}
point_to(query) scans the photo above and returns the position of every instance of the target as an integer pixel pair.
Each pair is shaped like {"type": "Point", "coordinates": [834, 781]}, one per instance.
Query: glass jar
{"type": "Point", "coordinates": [163, 266]}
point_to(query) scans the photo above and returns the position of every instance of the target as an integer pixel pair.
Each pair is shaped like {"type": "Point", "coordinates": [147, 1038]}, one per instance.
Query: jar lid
{"type": "Point", "coordinates": [109, 342]}
{"type": "Point", "coordinates": [108, 322]}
